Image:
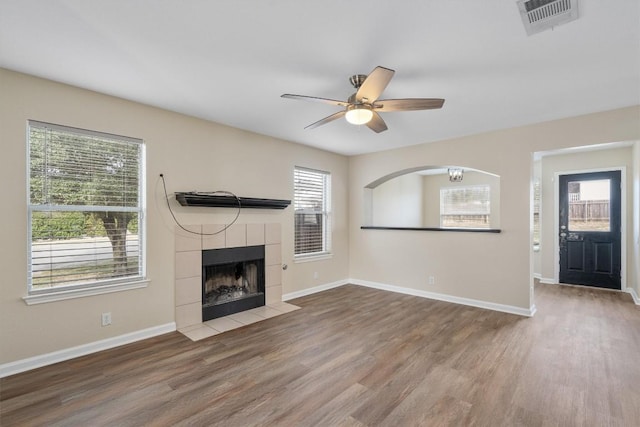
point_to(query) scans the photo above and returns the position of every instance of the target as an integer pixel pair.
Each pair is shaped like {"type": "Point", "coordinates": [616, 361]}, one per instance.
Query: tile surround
{"type": "Point", "coordinates": [189, 239]}
{"type": "Point", "coordinates": [188, 264]}
{"type": "Point", "coordinates": [255, 234]}
{"type": "Point", "coordinates": [223, 324]}
{"type": "Point", "coordinates": [213, 237]}
{"type": "Point", "coordinates": [236, 236]}
{"type": "Point", "coordinates": [188, 291]}
{"type": "Point", "coordinates": [273, 294]}
{"type": "Point", "coordinates": [188, 270]}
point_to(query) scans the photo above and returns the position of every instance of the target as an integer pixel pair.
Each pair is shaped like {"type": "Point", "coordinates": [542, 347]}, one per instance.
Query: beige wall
{"type": "Point", "coordinates": [193, 154]}
{"type": "Point", "coordinates": [497, 267]}
{"type": "Point", "coordinates": [577, 162]}
{"type": "Point", "coordinates": [398, 202]}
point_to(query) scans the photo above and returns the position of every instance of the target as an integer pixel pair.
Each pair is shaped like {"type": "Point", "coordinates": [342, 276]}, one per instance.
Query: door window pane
{"type": "Point", "coordinates": [589, 205]}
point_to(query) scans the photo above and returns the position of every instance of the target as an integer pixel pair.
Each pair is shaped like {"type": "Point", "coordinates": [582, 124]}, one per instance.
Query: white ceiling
{"type": "Point", "coordinates": [229, 61]}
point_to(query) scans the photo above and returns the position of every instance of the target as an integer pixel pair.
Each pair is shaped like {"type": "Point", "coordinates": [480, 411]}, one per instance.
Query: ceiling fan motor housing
{"type": "Point", "coordinates": [357, 79]}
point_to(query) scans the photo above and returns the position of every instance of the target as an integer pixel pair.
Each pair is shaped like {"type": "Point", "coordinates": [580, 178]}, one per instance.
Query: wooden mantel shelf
{"type": "Point", "coordinates": [227, 201]}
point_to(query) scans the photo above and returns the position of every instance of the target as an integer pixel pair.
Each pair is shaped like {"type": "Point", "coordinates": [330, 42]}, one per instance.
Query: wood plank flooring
{"type": "Point", "coordinates": [354, 356]}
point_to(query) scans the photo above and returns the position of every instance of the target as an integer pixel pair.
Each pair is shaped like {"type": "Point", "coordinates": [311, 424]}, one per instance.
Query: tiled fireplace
{"type": "Point", "coordinates": [188, 263]}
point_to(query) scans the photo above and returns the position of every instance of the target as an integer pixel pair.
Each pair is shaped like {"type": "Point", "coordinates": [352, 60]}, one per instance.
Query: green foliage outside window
{"type": "Point", "coordinates": [70, 225]}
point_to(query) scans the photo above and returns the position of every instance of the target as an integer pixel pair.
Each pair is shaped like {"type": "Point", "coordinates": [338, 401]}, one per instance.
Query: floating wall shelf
{"type": "Point", "coordinates": [227, 201]}
{"type": "Point", "coordinates": [463, 230]}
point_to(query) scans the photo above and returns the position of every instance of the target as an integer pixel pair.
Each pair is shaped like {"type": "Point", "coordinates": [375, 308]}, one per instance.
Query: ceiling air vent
{"type": "Point", "coordinates": [540, 15]}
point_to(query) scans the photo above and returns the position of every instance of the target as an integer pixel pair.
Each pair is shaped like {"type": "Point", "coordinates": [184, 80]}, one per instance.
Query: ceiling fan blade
{"type": "Point", "coordinates": [374, 84]}
{"type": "Point", "coordinates": [334, 116]}
{"type": "Point", "coordinates": [376, 123]}
{"type": "Point", "coordinates": [316, 99]}
{"type": "Point", "coordinates": [408, 104]}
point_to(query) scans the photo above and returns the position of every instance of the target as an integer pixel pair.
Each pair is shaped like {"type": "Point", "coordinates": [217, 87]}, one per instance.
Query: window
{"type": "Point", "coordinates": [85, 208]}
{"type": "Point", "coordinates": [312, 195]}
{"type": "Point", "coordinates": [465, 207]}
{"type": "Point", "coordinates": [536, 214]}
{"type": "Point", "coordinates": [589, 205]}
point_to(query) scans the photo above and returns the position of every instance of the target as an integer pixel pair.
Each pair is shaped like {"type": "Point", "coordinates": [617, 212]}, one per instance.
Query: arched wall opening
{"type": "Point", "coordinates": [434, 197]}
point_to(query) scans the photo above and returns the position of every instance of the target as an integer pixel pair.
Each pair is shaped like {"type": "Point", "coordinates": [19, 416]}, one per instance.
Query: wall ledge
{"type": "Point", "coordinates": [23, 365]}
{"type": "Point", "coordinates": [459, 230]}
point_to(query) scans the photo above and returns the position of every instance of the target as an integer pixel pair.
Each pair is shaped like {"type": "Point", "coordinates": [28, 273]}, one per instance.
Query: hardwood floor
{"type": "Point", "coordinates": [354, 356]}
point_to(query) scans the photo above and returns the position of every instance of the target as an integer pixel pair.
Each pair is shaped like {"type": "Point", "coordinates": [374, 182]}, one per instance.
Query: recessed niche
{"type": "Point", "coordinates": [434, 197]}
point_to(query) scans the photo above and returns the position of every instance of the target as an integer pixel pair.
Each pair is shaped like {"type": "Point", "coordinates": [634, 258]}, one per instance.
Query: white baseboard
{"type": "Point", "coordinates": [537, 276]}
{"type": "Point", "coordinates": [313, 290]}
{"type": "Point", "coordinates": [547, 281]}
{"type": "Point", "coordinates": [634, 295]}
{"type": "Point", "coordinates": [448, 298]}
{"type": "Point", "coordinates": [23, 365]}
{"type": "Point", "coordinates": [415, 292]}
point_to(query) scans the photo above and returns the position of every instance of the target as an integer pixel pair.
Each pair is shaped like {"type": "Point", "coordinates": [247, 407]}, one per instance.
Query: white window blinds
{"type": "Point", "coordinates": [85, 207]}
{"type": "Point", "coordinates": [467, 207]}
{"type": "Point", "coordinates": [312, 211]}
{"type": "Point", "coordinates": [536, 212]}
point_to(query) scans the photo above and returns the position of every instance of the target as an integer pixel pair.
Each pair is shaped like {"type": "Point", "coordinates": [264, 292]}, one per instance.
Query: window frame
{"type": "Point", "coordinates": [466, 187]}
{"type": "Point", "coordinates": [325, 211]}
{"type": "Point", "coordinates": [91, 286]}
{"type": "Point", "coordinates": [537, 215]}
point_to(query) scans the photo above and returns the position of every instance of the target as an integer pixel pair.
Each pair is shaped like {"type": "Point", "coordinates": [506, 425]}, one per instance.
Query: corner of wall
{"type": "Point", "coordinates": [635, 277]}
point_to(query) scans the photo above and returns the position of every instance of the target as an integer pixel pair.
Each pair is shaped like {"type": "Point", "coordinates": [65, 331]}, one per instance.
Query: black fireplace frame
{"type": "Point", "coordinates": [212, 257]}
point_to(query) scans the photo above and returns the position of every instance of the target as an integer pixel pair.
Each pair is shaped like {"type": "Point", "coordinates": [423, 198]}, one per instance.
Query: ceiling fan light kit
{"type": "Point", "coordinates": [359, 114]}
{"type": "Point", "coordinates": [362, 107]}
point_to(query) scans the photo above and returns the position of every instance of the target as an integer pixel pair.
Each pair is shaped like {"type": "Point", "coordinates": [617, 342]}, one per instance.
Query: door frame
{"type": "Point", "coordinates": [623, 220]}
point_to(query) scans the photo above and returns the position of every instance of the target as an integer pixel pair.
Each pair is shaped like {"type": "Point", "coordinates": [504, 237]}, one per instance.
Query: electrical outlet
{"type": "Point", "coordinates": [315, 274]}
{"type": "Point", "coordinates": [432, 280]}
{"type": "Point", "coordinates": [106, 319]}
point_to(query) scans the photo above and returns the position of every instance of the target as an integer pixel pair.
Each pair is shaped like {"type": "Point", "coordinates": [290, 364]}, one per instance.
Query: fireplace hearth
{"type": "Point", "coordinates": [233, 280]}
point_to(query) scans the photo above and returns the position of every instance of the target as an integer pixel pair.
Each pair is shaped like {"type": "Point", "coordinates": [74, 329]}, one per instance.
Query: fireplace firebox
{"type": "Point", "coordinates": [233, 280]}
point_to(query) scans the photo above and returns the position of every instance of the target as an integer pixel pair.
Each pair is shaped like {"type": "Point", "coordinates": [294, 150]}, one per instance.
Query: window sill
{"type": "Point", "coordinates": [309, 258]}
{"type": "Point", "coordinates": [42, 298]}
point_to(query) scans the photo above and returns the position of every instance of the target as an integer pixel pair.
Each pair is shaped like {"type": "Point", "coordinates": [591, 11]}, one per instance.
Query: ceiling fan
{"type": "Point", "coordinates": [363, 106]}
